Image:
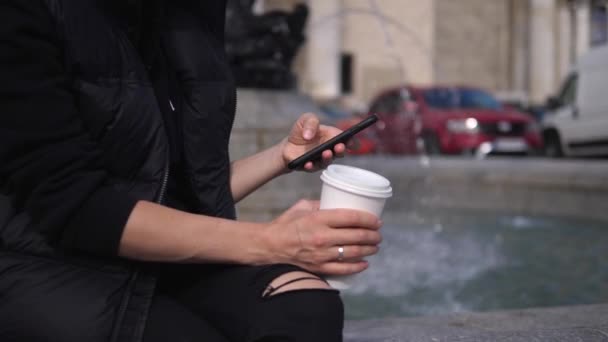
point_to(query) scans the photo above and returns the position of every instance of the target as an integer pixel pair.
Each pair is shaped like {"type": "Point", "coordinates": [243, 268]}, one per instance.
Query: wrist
{"type": "Point", "coordinates": [265, 246]}
{"type": "Point", "coordinates": [279, 157]}
{"type": "Point", "coordinates": [232, 242]}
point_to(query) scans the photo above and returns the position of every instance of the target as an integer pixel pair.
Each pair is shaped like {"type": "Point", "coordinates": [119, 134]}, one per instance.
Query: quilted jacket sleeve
{"type": "Point", "coordinates": [49, 165]}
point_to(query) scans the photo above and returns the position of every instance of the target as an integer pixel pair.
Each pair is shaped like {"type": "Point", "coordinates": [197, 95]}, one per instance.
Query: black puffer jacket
{"type": "Point", "coordinates": [82, 139]}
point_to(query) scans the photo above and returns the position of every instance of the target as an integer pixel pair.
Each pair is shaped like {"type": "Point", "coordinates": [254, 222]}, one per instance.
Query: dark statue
{"type": "Point", "coordinates": [261, 48]}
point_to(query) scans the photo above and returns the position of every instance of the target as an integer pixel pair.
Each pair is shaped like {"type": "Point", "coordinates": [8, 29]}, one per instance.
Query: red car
{"type": "Point", "coordinates": [451, 120]}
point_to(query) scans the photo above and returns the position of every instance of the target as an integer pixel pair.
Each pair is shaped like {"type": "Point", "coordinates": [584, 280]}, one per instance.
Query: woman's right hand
{"type": "Point", "coordinates": [308, 237]}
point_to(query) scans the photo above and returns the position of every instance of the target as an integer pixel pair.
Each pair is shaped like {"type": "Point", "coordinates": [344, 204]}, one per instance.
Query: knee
{"type": "Point", "coordinates": [307, 311]}
{"type": "Point", "coordinates": [293, 281]}
{"type": "Point", "coordinates": [301, 316]}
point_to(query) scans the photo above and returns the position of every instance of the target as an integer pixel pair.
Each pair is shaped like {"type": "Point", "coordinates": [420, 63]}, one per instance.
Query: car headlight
{"type": "Point", "coordinates": [469, 125]}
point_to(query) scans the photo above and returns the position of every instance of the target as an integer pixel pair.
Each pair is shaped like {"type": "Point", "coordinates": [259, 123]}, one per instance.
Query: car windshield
{"type": "Point", "coordinates": [452, 98]}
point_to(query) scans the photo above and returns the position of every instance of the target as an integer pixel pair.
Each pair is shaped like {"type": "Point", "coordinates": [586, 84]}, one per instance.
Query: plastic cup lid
{"type": "Point", "coordinates": [357, 180]}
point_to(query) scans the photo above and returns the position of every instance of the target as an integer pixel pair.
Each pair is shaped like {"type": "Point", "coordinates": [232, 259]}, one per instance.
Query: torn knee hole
{"type": "Point", "coordinates": [294, 281]}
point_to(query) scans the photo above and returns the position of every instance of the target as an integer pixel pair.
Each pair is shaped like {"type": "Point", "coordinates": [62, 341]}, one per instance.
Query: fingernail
{"type": "Point", "coordinates": [308, 134]}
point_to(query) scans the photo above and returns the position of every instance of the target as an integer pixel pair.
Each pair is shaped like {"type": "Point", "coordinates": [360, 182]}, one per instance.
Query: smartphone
{"type": "Point", "coordinates": [315, 153]}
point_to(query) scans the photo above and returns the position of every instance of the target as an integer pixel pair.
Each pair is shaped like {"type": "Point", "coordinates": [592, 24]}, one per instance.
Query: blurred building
{"type": "Point", "coordinates": [520, 49]}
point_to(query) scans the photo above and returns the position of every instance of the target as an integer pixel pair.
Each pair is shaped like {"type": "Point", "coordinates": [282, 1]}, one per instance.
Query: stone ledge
{"type": "Point", "coordinates": [521, 186]}
{"type": "Point", "coordinates": [560, 324]}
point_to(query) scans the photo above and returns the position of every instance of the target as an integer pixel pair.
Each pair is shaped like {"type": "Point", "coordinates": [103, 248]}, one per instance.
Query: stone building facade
{"type": "Point", "coordinates": [519, 49]}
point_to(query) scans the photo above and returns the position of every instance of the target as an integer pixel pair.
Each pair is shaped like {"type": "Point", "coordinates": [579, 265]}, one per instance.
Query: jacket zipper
{"type": "Point", "coordinates": [236, 102]}
{"type": "Point", "coordinates": [163, 185]}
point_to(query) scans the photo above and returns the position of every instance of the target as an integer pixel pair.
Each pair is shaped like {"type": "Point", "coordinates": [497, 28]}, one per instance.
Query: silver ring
{"type": "Point", "coordinates": [340, 253]}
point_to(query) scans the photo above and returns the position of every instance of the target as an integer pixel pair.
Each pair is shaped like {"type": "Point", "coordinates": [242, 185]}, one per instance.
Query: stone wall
{"type": "Point", "coordinates": [391, 44]}
{"type": "Point", "coordinates": [472, 43]}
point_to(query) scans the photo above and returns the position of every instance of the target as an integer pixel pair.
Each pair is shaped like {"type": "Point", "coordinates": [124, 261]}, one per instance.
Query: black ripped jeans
{"type": "Point", "coordinates": [227, 304]}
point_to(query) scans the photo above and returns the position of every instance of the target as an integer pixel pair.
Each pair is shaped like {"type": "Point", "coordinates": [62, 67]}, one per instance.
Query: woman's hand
{"type": "Point", "coordinates": [250, 173]}
{"type": "Point", "coordinates": [308, 237]}
{"type": "Point", "coordinates": [306, 134]}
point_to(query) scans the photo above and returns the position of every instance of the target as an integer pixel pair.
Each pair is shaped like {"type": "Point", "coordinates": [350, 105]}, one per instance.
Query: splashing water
{"type": "Point", "coordinates": [481, 262]}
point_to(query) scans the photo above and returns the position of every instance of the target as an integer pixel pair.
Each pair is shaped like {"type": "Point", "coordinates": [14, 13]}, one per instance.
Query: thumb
{"type": "Point", "coordinates": [310, 124]}
{"type": "Point", "coordinates": [306, 205]}
{"type": "Point", "coordinates": [301, 208]}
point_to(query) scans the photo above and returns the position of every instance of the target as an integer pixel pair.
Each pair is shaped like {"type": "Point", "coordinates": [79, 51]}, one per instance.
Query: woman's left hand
{"type": "Point", "coordinates": [306, 134]}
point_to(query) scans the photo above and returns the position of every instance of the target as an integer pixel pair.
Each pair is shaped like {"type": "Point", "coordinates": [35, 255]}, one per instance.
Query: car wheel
{"type": "Point", "coordinates": [553, 145]}
{"type": "Point", "coordinates": [431, 144]}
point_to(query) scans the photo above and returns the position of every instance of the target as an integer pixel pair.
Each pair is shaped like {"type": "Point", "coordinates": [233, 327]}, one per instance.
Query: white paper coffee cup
{"type": "Point", "coordinates": [353, 188]}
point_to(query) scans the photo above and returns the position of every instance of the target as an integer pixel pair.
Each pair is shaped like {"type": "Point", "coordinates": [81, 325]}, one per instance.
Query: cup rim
{"type": "Point", "coordinates": [329, 176]}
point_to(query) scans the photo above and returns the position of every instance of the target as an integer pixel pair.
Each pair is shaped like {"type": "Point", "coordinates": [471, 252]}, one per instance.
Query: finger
{"type": "Point", "coordinates": [343, 268]}
{"type": "Point", "coordinates": [349, 218]}
{"type": "Point", "coordinates": [352, 253]}
{"type": "Point", "coordinates": [353, 236]}
{"type": "Point", "coordinates": [327, 156]}
{"type": "Point", "coordinates": [309, 166]}
{"type": "Point", "coordinates": [339, 150]}
{"type": "Point", "coordinates": [329, 131]}
{"type": "Point", "coordinates": [310, 126]}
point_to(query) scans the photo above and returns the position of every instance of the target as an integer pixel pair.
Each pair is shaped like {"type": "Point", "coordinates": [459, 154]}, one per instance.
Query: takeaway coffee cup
{"type": "Point", "coordinates": [353, 188]}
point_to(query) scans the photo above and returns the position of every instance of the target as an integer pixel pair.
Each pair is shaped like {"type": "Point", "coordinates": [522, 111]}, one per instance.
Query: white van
{"type": "Point", "coordinates": [576, 123]}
